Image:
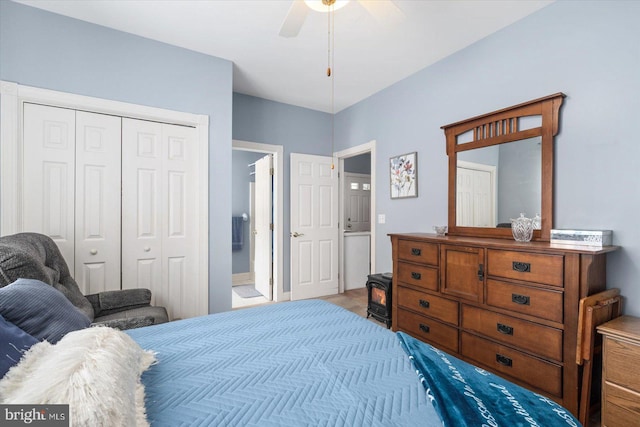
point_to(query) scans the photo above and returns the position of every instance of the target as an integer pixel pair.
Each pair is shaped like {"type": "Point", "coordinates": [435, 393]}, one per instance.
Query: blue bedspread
{"type": "Point", "coordinates": [465, 395]}
{"type": "Point", "coordinates": [305, 363]}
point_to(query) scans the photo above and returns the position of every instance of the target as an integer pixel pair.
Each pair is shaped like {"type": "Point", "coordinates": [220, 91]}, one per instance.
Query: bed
{"type": "Point", "coordinates": [293, 364]}
{"type": "Point", "coordinates": [303, 363]}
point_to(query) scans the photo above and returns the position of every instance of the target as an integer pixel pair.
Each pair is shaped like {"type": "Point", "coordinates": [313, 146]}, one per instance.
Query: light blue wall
{"type": "Point", "coordinates": [589, 51]}
{"type": "Point", "coordinates": [298, 130]}
{"type": "Point", "coordinates": [358, 164]}
{"type": "Point", "coordinates": [45, 50]}
{"type": "Point", "coordinates": [241, 203]}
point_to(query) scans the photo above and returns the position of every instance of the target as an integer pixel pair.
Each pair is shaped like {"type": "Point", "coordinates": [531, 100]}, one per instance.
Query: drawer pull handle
{"type": "Point", "coordinates": [424, 328]}
{"type": "Point", "coordinates": [504, 329]}
{"type": "Point", "coordinates": [522, 267]}
{"type": "Point", "coordinates": [520, 299]}
{"type": "Point", "coordinates": [424, 303]}
{"type": "Point", "coordinates": [416, 251]}
{"type": "Point", "coordinates": [503, 360]}
{"type": "Point", "coordinates": [415, 275]}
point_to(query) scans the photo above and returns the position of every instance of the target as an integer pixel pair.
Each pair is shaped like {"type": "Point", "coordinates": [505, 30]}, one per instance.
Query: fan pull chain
{"type": "Point", "coordinates": [329, 41]}
{"type": "Point", "coordinates": [332, 35]}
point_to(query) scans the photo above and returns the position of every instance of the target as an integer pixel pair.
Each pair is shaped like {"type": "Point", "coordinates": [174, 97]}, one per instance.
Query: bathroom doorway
{"type": "Point", "coordinates": [256, 224]}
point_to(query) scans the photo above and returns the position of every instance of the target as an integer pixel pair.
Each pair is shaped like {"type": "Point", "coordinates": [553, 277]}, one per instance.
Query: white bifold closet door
{"type": "Point", "coordinates": [119, 198]}
{"type": "Point", "coordinates": [159, 166]}
{"type": "Point", "coordinates": [71, 182]}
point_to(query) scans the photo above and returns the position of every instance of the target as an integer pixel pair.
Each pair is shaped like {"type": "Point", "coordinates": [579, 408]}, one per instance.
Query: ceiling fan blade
{"type": "Point", "coordinates": [384, 11]}
{"type": "Point", "coordinates": [294, 20]}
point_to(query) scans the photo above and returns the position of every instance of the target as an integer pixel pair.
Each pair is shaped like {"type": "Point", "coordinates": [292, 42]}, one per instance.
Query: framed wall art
{"type": "Point", "coordinates": [403, 171]}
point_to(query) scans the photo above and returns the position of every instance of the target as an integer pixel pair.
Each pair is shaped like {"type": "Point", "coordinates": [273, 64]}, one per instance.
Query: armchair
{"type": "Point", "coordinates": [36, 256]}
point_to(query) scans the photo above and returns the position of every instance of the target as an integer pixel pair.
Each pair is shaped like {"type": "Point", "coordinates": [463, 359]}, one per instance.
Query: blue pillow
{"type": "Point", "coordinates": [465, 395]}
{"type": "Point", "coordinates": [40, 310]}
{"type": "Point", "coordinates": [14, 342]}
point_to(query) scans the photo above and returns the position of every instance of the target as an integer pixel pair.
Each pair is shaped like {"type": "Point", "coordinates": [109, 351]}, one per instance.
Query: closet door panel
{"type": "Point", "coordinates": [159, 206]}
{"type": "Point", "coordinates": [179, 234]}
{"type": "Point", "coordinates": [142, 207]}
{"type": "Point", "coordinates": [97, 237]}
{"type": "Point", "coordinates": [48, 175]}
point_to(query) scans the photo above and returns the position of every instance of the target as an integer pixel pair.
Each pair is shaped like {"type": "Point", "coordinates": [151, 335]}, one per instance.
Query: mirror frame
{"type": "Point", "coordinates": [500, 127]}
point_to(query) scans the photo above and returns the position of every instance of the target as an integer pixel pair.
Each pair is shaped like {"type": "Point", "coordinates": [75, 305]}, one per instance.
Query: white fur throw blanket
{"type": "Point", "coordinates": [95, 370]}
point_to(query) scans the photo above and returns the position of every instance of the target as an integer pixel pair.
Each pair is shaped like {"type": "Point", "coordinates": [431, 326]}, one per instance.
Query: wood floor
{"type": "Point", "coordinates": [354, 300]}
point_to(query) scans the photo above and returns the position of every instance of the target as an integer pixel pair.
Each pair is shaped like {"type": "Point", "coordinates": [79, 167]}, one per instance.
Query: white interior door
{"type": "Point", "coordinates": [314, 227]}
{"type": "Point", "coordinates": [263, 223]}
{"type": "Point", "coordinates": [97, 210]}
{"type": "Point", "coordinates": [159, 222]}
{"type": "Point", "coordinates": [357, 202]}
{"type": "Point", "coordinates": [48, 175]}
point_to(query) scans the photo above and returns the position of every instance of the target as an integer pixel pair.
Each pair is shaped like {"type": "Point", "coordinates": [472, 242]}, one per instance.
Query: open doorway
{"type": "Point", "coordinates": [357, 214]}
{"type": "Point", "coordinates": [256, 224]}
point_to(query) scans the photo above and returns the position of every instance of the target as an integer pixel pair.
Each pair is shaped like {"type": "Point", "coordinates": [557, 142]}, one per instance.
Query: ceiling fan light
{"type": "Point", "coordinates": [320, 6]}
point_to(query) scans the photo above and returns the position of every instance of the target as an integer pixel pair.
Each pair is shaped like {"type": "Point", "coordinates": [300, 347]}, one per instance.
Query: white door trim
{"type": "Point", "coordinates": [278, 196]}
{"type": "Point", "coordinates": [12, 98]}
{"type": "Point", "coordinates": [368, 147]}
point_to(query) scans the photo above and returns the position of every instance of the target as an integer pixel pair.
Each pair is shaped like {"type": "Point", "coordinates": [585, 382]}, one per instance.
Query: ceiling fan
{"type": "Point", "coordinates": [384, 11]}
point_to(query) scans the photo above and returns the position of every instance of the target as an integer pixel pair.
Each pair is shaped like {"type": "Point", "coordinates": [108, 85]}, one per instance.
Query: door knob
{"type": "Point", "coordinates": [93, 251]}
{"type": "Point", "coordinates": [296, 234]}
{"type": "Point", "coordinates": [147, 248]}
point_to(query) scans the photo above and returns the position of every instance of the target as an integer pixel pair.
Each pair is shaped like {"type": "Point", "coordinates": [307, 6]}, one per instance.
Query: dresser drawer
{"type": "Point", "coordinates": [422, 252]}
{"type": "Point", "coordinates": [542, 303]}
{"type": "Point", "coordinates": [620, 407]}
{"type": "Point", "coordinates": [427, 329]}
{"type": "Point", "coordinates": [621, 362]}
{"type": "Point", "coordinates": [538, 268]}
{"type": "Point", "coordinates": [515, 332]}
{"type": "Point", "coordinates": [418, 275]}
{"type": "Point", "coordinates": [430, 305]}
{"type": "Point", "coordinates": [538, 373]}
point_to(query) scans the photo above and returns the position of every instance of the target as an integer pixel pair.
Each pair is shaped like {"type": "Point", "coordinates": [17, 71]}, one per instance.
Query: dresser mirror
{"type": "Point", "coordinates": [501, 165]}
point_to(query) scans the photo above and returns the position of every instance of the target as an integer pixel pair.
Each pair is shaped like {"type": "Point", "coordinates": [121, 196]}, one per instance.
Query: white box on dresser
{"type": "Point", "coordinates": [596, 238]}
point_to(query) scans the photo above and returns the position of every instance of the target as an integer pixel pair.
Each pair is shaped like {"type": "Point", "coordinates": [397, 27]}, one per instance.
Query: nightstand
{"type": "Point", "coordinates": [621, 372]}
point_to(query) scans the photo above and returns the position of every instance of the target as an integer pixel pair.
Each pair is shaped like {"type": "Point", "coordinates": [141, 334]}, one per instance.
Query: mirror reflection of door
{"type": "Point", "coordinates": [357, 209]}
{"type": "Point", "coordinates": [476, 196]}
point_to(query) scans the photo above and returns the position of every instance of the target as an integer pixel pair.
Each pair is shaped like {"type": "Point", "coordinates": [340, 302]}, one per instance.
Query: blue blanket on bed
{"type": "Point", "coordinates": [302, 363]}
{"type": "Point", "coordinates": [465, 395]}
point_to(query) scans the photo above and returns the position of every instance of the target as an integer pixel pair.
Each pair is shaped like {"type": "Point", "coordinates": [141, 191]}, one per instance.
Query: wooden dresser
{"type": "Point", "coordinates": [509, 307]}
{"type": "Point", "coordinates": [621, 372]}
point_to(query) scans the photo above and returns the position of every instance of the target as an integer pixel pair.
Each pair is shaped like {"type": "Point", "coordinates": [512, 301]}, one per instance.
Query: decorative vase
{"type": "Point", "coordinates": [440, 230]}
{"type": "Point", "coordinates": [537, 222]}
{"type": "Point", "coordinates": [522, 228]}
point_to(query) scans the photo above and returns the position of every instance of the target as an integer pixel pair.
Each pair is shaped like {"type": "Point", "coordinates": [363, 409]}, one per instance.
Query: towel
{"type": "Point", "coordinates": [237, 235]}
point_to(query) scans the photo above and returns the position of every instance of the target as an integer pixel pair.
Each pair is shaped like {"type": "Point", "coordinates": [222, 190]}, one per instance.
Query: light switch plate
{"type": "Point", "coordinates": [382, 218]}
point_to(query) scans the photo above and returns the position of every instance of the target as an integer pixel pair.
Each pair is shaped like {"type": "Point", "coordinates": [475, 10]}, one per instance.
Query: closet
{"type": "Point", "coordinates": [120, 198]}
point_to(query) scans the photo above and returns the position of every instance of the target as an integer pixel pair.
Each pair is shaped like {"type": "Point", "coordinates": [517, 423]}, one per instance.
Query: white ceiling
{"type": "Point", "coordinates": [369, 55]}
